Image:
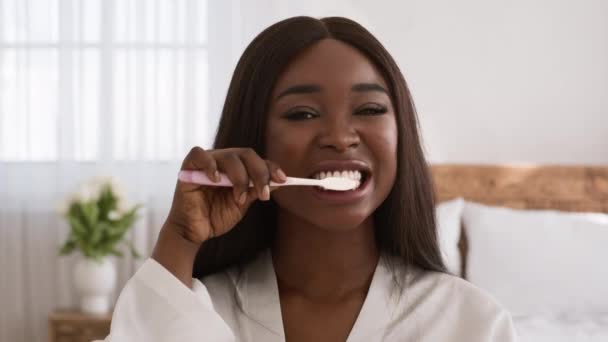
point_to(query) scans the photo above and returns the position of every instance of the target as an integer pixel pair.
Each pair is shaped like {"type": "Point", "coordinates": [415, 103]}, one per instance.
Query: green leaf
{"type": "Point", "coordinates": [116, 253]}
{"type": "Point", "coordinates": [78, 228]}
{"type": "Point", "coordinates": [107, 202]}
{"type": "Point", "coordinates": [68, 247]}
{"type": "Point", "coordinates": [86, 249]}
{"type": "Point", "coordinates": [128, 218]}
{"type": "Point", "coordinates": [90, 214]}
{"type": "Point", "coordinates": [93, 233]}
{"type": "Point", "coordinates": [96, 233]}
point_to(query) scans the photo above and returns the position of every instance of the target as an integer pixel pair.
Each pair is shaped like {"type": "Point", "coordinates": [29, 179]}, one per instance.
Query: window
{"type": "Point", "coordinates": [94, 80]}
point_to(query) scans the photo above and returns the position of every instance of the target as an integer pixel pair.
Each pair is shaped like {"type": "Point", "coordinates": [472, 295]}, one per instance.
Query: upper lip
{"type": "Point", "coordinates": [341, 165]}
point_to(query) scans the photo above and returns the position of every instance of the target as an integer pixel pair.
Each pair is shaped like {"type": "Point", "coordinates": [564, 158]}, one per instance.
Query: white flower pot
{"type": "Point", "coordinates": [95, 282]}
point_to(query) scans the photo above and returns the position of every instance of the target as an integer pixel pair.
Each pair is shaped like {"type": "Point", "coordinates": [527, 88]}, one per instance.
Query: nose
{"type": "Point", "coordinates": [339, 134]}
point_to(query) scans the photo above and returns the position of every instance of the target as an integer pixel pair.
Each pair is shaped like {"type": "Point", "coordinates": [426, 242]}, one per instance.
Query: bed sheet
{"type": "Point", "coordinates": [571, 328]}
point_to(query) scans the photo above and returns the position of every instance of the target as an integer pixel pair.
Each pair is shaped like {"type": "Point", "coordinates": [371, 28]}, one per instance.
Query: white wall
{"type": "Point", "coordinates": [494, 81]}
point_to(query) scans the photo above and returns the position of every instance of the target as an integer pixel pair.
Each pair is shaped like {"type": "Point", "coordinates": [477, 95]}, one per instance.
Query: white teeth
{"type": "Point", "coordinates": [351, 174]}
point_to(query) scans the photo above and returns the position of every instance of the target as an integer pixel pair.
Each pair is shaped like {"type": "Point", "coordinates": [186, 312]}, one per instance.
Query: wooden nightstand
{"type": "Point", "coordinates": [74, 326]}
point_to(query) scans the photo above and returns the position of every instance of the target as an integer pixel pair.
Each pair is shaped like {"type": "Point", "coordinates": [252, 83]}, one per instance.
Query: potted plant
{"type": "Point", "coordinates": [99, 220]}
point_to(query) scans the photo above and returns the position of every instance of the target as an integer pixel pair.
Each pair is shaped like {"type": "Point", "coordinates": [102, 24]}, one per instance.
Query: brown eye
{"type": "Point", "coordinates": [300, 114]}
{"type": "Point", "coordinates": [372, 110]}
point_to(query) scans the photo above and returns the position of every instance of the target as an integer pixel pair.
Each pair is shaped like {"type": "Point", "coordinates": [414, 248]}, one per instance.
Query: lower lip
{"type": "Point", "coordinates": [342, 197]}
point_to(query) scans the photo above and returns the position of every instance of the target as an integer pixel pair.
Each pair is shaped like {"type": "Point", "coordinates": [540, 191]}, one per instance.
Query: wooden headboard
{"type": "Point", "coordinates": [567, 188]}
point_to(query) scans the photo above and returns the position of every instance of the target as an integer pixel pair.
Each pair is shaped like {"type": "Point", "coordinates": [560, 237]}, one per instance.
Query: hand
{"type": "Point", "coordinates": [199, 213]}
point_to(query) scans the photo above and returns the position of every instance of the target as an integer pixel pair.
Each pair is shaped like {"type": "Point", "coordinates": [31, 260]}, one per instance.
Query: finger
{"type": "Point", "coordinates": [233, 167]}
{"type": "Point", "coordinates": [199, 159]}
{"type": "Point", "coordinates": [258, 172]}
{"type": "Point", "coordinates": [252, 195]}
{"type": "Point", "coordinates": [277, 174]}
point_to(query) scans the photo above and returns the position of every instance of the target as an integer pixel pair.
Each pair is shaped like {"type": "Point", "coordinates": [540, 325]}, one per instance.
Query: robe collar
{"type": "Point", "coordinates": [258, 294]}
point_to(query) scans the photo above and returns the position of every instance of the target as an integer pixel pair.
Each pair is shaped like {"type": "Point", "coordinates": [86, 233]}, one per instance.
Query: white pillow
{"type": "Point", "coordinates": [448, 216]}
{"type": "Point", "coordinates": [539, 261]}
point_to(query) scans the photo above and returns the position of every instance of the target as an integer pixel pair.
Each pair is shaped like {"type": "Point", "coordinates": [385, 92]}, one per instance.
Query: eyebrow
{"type": "Point", "coordinates": [300, 89]}
{"type": "Point", "coordinates": [369, 87]}
{"type": "Point", "coordinates": [314, 88]}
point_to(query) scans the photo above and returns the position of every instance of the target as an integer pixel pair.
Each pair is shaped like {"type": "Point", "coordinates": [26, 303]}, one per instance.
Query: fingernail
{"type": "Point", "coordinates": [216, 175]}
{"type": "Point", "coordinates": [281, 175]}
{"type": "Point", "coordinates": [243, 198]}
{"type": "Point", "coordinates": [266, 193]}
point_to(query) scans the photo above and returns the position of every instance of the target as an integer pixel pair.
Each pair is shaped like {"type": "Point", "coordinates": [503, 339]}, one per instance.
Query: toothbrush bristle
{"type": "Point", "coordinates": [339, 183]}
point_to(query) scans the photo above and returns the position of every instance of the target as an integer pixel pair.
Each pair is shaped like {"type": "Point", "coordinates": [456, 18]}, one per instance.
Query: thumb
{"type": "Point", "coordinates": [252, 195]}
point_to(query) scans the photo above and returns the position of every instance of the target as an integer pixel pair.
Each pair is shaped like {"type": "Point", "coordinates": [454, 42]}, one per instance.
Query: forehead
{"type": "Point", "coordinates": [329, 63]}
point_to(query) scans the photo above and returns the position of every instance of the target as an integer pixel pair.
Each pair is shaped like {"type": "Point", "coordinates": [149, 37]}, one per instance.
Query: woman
{"type": "Point", "coordinates": [308, 98]}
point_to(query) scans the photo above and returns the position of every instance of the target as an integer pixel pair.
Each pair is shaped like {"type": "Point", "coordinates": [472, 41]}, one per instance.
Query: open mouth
{"type": "Point", "coordinates": [362, 176]}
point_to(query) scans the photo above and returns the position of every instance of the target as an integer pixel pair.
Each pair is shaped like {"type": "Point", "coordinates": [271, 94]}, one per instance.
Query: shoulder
{"type": "Point", "coordinates": [455, 291]}
{"type": "Point", "coordinates": [463, 288]}
{"type": "Point", "coordinates": [456, 305]}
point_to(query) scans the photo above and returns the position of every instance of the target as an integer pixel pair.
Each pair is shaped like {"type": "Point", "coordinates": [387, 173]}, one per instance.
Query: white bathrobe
{"type": "Point", "coordinates": [435, 307]}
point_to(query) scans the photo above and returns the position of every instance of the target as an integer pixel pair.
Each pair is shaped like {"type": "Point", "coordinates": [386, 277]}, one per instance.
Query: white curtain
{"type": "Point", "coordinates": [96, 88]}
{"type": "Point", "coordinates": [103, 80]}
{"type": "Point", "coordinates": [103, 87]}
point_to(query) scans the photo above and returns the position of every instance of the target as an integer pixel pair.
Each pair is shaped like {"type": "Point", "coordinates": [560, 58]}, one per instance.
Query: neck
{"type": "Point", "coordinates": [321, 263]}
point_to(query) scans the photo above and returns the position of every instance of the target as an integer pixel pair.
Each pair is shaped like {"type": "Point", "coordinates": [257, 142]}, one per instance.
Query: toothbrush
{"type": "Point", "coordinates": [329, 183]}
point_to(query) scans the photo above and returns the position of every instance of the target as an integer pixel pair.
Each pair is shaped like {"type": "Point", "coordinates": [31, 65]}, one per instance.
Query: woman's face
{"type": "Point", "coordinates": [331, 111]}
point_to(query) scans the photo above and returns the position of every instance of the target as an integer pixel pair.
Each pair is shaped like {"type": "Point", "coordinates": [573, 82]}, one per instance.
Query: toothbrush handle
{"type": "Point", "coordinates": [198, 177]}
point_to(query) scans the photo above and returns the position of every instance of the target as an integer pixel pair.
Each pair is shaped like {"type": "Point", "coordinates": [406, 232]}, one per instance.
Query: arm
{"type": "Point", "coordinates": [158, 303]}
{"type": "Point", "coordinates": [155, 306]}
{"type": "Point", "coordinates": [176, 254]}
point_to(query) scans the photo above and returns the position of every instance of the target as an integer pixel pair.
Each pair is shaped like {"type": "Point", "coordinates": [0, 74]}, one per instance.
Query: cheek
{"type": "Point", "coordinates": [274, 142]}
{"type": "Point", "coordinates": [284, 147]}
{"type": "Point", "coordinates": [383, 145]}
{"type": "Point", "coordinates": [391, 144]}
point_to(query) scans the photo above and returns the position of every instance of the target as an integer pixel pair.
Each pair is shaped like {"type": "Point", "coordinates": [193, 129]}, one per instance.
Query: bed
{"type": "Point", "coordinates": [536, 237]}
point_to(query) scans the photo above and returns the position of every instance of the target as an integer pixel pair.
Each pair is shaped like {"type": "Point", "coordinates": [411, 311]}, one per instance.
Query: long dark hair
{"type": "Point", "coordinates": [404, 222]}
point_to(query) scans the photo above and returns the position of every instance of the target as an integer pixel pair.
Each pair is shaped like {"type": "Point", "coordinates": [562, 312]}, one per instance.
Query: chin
{"type": "Point", "coordinates": [328, 218]}
{"type": "Point", "coordinates": [339, 223]}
